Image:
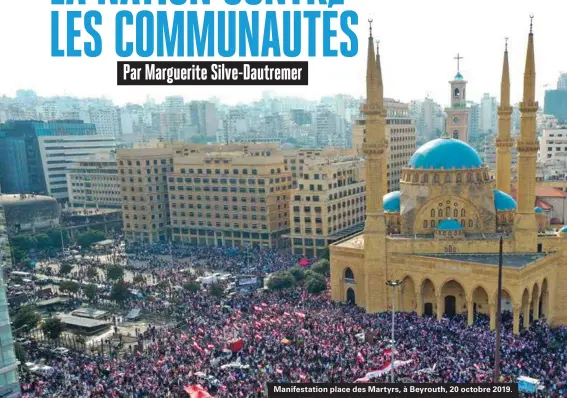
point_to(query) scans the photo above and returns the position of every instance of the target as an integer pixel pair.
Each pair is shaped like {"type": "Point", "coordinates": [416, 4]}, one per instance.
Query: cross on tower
{"type": "Point", "coordinates": [458, 58]}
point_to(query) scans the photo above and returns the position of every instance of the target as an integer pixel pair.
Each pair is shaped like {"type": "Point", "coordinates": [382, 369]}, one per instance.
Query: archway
{"type": "Point", "coordinates": [428, 296]}
{"type": "Point", "coordinates": [408, 297]}
{"type": "Point", "coordinates": [454, 297]}
{"type": "Point", "coordinates": [349, 275]}
{"type": "Point", "coordinates": [544, 300]}
{"type": "Point", "coordinates": [535, 301]}
{"type": "Point", "coordinates": [480, 301]}
{"type": "Point", "coordinates": [351, 297]}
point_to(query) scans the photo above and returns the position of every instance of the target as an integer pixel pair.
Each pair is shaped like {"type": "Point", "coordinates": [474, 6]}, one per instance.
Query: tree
{"type": "Point", "coordinates": [192, 286]}
{"type": "Point", "coordinates": [19, 255]}
{"type": "Point", "coordinates": [315, 285]}
{"type": "Point", "coordinates": [120, 292]}
{"type": "Point", "coordinates": [91, 292]}
{"type": "Point", "coordinates": [65, 269]}
{"type": "Point", "coordinates": [216, 290]}
{"type": "Point", "coordinates": [24, 242]}
{"type": "Point", "coordinates": [115, 273]}
{"type": "Point", "coordinates": [26, 316]}
{"type": "Point", "coordinates": [298, 273]}
{"type": "Point", "coordinates": [281, 280]}
{"type": "Point", "coordinates": [55, 237]}
{"type": "Point", "coordinates": [86, 239]}
{"type": "Point", "coordinates": [20, 353]}
{"type": "Point", "coordinates": [322, 267]}
{"type": "Point", "coordinates": [43, 241]}
{"type": "Point", "coordinates": [52, 327]}
{"type": "Point", "coordinates": [92, 273]}
{"type": "Point", "coordinates": [139, 279]}
{"type": "Point", "coordinates": [69, 286]}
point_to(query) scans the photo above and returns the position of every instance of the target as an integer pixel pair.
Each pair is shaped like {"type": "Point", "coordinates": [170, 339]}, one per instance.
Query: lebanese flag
{"type": "Point", "coordinates": [300, 315]}
{"type": "Point", "coordinates": [257, 309]}
{"type": "Point", "coordinates": [264, 305]}
{"type": "Point", "coordinates": [387, 368]}
{"type": "Point", "coordinates": [388, 352]}
{"type": "Point", "coordinates": [197, 347]}
{"type": "Point", "coordinates": [196, 391]}
{"type": "Point", "coordinates": [360, 358]}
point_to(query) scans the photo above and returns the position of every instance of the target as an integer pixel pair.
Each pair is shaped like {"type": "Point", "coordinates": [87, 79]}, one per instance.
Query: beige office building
{"type": "Point", "coordinates": [328, 203]}
{"type": "Point", "coordinates": [94, 183]}
{"type": "Point", "coordinates": [295, 160]}
{"type": "Point", "coordinates": [401, 136]}
{"type": "Point", "coordinates": [230, 198]}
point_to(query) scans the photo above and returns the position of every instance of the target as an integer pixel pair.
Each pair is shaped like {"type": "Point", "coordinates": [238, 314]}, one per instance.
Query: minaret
{"type": "Point", "coordinates": [386, 156]}
{"type": "Point", "coordinates": [504, 141]}
{"type": "Point", "coordinates": [525, 226]}
{"type": "Point", "coordinates": [374, 150]}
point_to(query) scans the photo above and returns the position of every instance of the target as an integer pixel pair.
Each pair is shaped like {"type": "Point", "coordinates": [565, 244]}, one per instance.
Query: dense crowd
{"type": "Point", "coordinates": [290, 336]}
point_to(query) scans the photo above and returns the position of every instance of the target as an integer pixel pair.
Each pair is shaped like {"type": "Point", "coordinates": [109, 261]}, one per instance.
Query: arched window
{"type": "Point", "coordinates": [463, 223]}
{"type": "Point", "coordinates": [425, 224]}
{"type": "Point", "coordinates": [455, 213]}
{"type": "Point", "coordinates": [440, 212]}
{"type": "Point", "coordinates": [349, 274]}
{"type": "Point", "coordinates": [447, 177]}
{"type": "Point", "coordinates": [415, 178]}
{"type": "Point", "coordinates": [459, 179]}
{"type": "Point", "coordinates": [471, 224]}
{"type": "Point", "coordinates": [432, 223]}
{"type": "Point", "coordinates": [448, 212]}
{"type": "Point", "coordinates": [436, 178]}
{"type": "Point", "coordinates": [463, 213]}
{"type": "Point", "coordinates": [456, 134]}
{"type": "Point", "coordinates": [432, 212]}
{"type": "Point", "coordinates": [457, 93]}
{"type": "Point", "coordinates": [425, 178]}
{"type": "Point", "coordinates": [469, 177]}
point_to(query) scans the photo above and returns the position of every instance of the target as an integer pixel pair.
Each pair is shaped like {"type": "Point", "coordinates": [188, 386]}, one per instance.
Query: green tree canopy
{"type": "Point", "coordinates": [65, 269]}
{"type": "Point", "coordinates": [70, 287]}
{"type": "Point", "coordinates": [115, 273]}
{"type": "Point", "coordinates": [322, 267]}
{"type": "Point", "coordinates": [281, 280]}
{"type": "Point", "coordinates": [86, 239]}
{"type": "Point", "coordinates": [92, 273]}
{"type": "Point", "coordinates": [216, 290]}
{"type": "Point", "coordinates": [315, 285]}
{"type": "Point", "coordinates": [91, 292]}
{"type": "Point", "coordinates": [192, 286]}
{"type": "Point", "coordinates": [298, 273]}
{"type": "Point", "coordinates": [52, 327]}
{"type": "Point", "coordinates": [120, 292]}
{"type": "Point", "coordinates": [26, 316]}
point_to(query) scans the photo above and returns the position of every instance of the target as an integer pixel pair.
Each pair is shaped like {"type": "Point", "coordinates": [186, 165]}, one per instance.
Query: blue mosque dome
{"type": "Point", "coordinates": [450, 225]}
{"type": "Point", "coordinates": [445, 153]}
{"type": "Point", "coordinates": [538, 210]}
{"type": "Point", "coordinates": [392, 202]}
{"type": "Point", "coordinates": [562, 232]}
{"type": "Point", "coordinates": [503, 201]}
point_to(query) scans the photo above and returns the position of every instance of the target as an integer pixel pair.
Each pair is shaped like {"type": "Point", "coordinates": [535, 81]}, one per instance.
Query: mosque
{"type": "Point", "coordinates": [440, 235]}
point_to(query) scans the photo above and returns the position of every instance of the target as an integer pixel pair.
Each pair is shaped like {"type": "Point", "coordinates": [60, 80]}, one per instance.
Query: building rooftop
{"type": "Point", "coordinates": [20, 198]}
{"type": "Point", "coordinates": [512, 260]}
{"type": "Point", "coordinates": [82, 322]}
{"type": "Point", "coordinates": [445, 154]}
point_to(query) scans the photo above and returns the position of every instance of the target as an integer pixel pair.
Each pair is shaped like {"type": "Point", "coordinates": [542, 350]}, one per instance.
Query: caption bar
{"type": "Point", "coordinates": [392, 390]}
{"type": "Point", "coordinates": [207, 73]}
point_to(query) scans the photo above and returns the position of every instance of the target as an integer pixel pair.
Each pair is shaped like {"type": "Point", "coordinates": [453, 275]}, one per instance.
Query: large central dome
{"type": "Point", "coordinates": [445, 153]}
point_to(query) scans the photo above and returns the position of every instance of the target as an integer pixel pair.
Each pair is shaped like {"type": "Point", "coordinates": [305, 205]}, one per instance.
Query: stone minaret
{"type": "Point", "coordinates": [504, 141]}
{"type": "Point", "coordinates": [525, 226]}
{"type": "Point", "coordinates": [374, 149]}
{"type": "Point", "coordinates": [386, 155]}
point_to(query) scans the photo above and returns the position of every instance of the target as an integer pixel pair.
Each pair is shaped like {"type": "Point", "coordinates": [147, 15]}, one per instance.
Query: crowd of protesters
{"type": "Point", "coordinates": [290, 336]}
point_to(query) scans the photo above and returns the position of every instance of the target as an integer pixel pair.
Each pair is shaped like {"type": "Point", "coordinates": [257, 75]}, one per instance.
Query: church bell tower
{"type": "Point", "coordinates": [458, 114]}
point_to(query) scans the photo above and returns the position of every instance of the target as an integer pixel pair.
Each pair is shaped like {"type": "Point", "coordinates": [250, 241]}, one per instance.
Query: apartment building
{"type": "Point", "coordinates": [230, 198]}
{"type": "Point", "coordinates": [94, 183]}
{"type": "Point", "coordinates": [328, 203]}
{"type": "Point", "coordinates": [401, 136]}
{"type": "Point", "coordinates": [553, 145]}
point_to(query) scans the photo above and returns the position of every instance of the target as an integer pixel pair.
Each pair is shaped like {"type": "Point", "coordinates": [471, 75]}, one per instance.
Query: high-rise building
{"type": "Point", "coordinates": [230, 198]}
{"type": "Point", "coordinates": [556, 104]}
{"type": "Point", "coordinates": [553, 145]}
{"type": "Point", "coordinates": [429, 119]}
{"type": "Point", "coordinates": [488, 114]}
{"type": "Point", "coordinates": [562, 82]}
{"type": "Point", "coordinates": [9, 386]}
{"type": "Point", "coordinates": [328, 204]}
{"type": "Point", "coordinates": [106, 119]}
{"type": "Point", "coordinates": [59, 153]}
{"type": "Point", "coordinates": [474, 119]}
{"type": "Point", "coordinates": [24, 167]}
{"type": "Point", "coordinates": [401, 136]}
{"type": "Point", "coordinates": [94, 183]}
{"type": "Point", "coordinates": [203, 115]}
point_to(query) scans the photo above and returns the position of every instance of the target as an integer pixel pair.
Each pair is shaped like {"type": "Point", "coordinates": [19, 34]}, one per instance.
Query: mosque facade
{"type": "Point", "coordinates": [440, 234]}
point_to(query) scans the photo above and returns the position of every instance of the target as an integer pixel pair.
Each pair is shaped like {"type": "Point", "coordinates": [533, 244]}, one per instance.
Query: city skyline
{"type": "Point", "coordinates": [418, 59]}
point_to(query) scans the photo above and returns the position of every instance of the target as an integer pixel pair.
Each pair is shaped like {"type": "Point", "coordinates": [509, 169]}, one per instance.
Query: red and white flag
{"type": "Point", "coordinates": [360, 358]}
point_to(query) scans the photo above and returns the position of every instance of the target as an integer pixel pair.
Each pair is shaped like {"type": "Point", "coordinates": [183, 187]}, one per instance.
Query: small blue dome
{"type": "Point", "coordinates": [503, 201]}
{"type": "Point", "coordinates": [458, 76]}
{"type": "Point", "coordinates": [446, 153]}
{"type": "Point", "coordinates": [564, 229]}
{"type": "Point", "coordinates": [449, 225]}
{"type": "Point", "coordinates": [538, 210]}
{"type": "Point", "coordinates": [392, 202]}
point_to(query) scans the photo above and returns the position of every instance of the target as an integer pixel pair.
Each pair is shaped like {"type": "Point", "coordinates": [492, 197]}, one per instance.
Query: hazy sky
{"type": "Point", "coordinates": [418, 41]}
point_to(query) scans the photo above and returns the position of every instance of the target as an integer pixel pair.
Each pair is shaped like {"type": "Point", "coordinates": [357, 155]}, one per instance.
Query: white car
{"type": "Point", "coordinates": [60, 351]}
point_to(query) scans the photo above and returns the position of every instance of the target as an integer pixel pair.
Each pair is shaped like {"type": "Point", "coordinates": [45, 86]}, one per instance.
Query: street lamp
{"type": "Point", "coordinates": [496, 377]}
{"type": "Point", "coordinates": [393, 285]}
